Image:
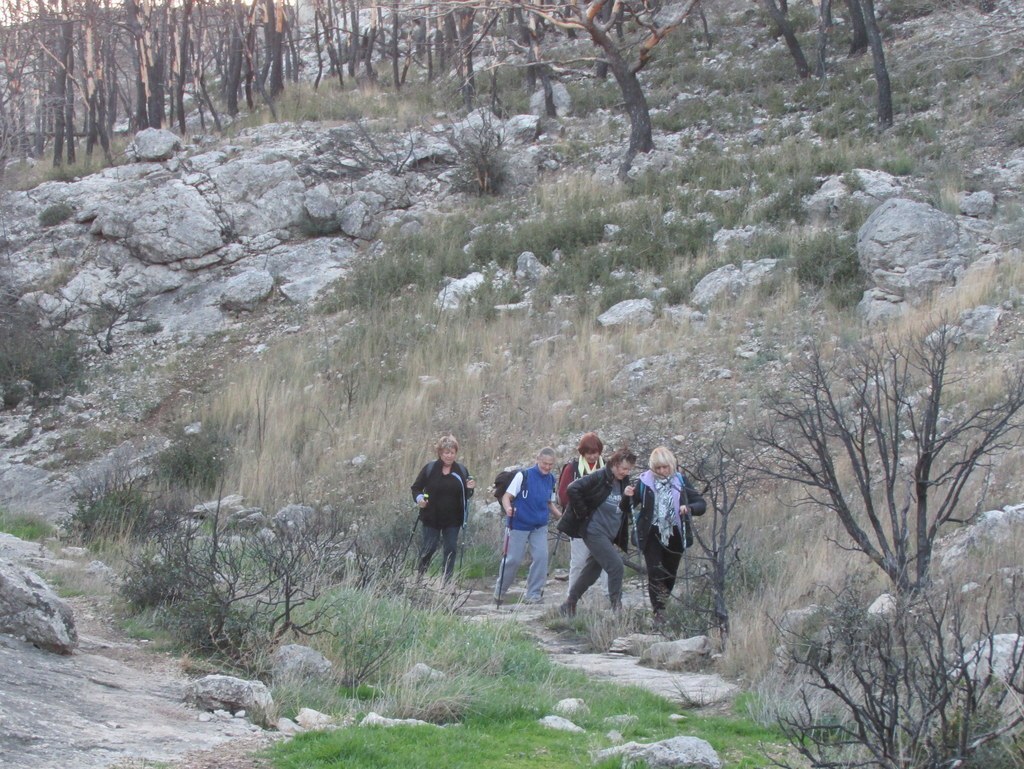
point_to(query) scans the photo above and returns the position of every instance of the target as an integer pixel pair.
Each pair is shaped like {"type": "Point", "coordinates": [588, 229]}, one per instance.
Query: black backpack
{"type": "Point", "coordinates": [504, 479]}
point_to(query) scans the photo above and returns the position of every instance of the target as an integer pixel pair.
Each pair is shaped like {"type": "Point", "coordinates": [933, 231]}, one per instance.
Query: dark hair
{"type": "Point", "coordinates": [589, 443]}
{"type": "Point", "coordinates": [623, 454]}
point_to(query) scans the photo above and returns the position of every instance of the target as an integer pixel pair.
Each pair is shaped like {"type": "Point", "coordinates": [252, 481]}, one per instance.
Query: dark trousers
{"type": "Point", "coordinates": [431, 538]}
{"type": "Point", "coordinates": [604, 556]}
{"type": "Point", "coordinates": [662, 565]}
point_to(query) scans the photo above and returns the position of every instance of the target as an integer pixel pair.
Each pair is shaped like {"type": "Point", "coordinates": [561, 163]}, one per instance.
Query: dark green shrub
{"type": "Point", "coordinates": [33, 360]}
{"type": "Point", "coordinates": [828, 261]}
{"type": "Point", "coordinates": [112, 507]}
{"type": "Point", "coordinates": [55, 214]}
{"type": "Point", "coordinates": [195, 461]}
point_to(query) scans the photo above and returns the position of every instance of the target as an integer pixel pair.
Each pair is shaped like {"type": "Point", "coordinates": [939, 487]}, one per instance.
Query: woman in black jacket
{"type": "Point", "coordinates": [442, 491]}
{"type": "Point", "coordinates": [664, 503]}
{"type": "Point", "coordinates": [596, 498]}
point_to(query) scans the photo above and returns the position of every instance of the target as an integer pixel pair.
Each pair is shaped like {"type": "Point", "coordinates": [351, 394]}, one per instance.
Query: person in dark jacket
{"type": "Point", "coordinates": [589, 461]}
{"type": "Point", "coordinates": [663, 504]}
{"type": "Point", "coordinates": [442, 491]}
{"type": "Point", "coordinates": [597, 497]}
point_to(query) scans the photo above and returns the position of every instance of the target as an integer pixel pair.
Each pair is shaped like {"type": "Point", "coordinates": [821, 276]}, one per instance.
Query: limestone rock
{"type": "Point", "coordinates": [560, 724]}
{"type": "Point", "coordinates": [560, 96]}
{"type": "Point", "coordinates": [30, 609]}
{"type": "Point", "coordinates": [631, 312]}
{"type": "Point", "coordinates": [571, 706]}
{"type": "Point", "coordinates": [297, 662]}
{"type": "Point", "coordinates": [529, 270]}
{"type": "Point", "coordinates": [422, 672]}
{"type": "Point", "coordinates": [980, 204]}
{"type": "Point", "coordinates": [458, 291]}
{"type": "Point", "coordinates": [245, 291]}
{"type": "Point", "coordinates": [154, 144]}
{"type": "Point", "coordinates": [683, 654]}
{"type": "Point", "coordinates": [673, 753]}
{"type": "Point", "coordinates": [730, 282]}
{"type": "Point", "coordinates": [218, 692]}
{"type": "Point", "coordinates": [375, 719]}
{"type": "Point", "coordinates": [259, 196]}
{"type": "Point", "coordinates": [311, 719]}
{"type": "Point", "coordinates": [909, 249]}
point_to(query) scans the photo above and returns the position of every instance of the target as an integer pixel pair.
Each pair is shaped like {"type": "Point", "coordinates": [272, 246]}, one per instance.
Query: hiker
{"type": "Point", "coordinates": [589, 460]}
{"type": "Point", "coordinates": [442, 491]}
{"type": "Point", "coordinates": [528, 503]}
{"type": "Point", "coordinates": [664, 503]}
{"type": "Point", "coordinates": [598, 499]}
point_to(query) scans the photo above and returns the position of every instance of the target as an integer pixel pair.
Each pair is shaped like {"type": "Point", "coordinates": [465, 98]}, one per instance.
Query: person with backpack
{"type": "Point", "coordinates": [442, 491]}
{"type": "Point", "coordinates": [589, 460]}
{"type": "Point", "coordinates": [664, 504]}
{"type": "Point", "coordinates": [597, 504]}
{"type": "Point", "coordinates": [528, 503]}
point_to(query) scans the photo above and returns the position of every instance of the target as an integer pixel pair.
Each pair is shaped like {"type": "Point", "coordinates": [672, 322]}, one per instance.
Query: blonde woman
{"type": "Point", "coordinates": [664, 503]}
{"type": "Point", "coordinates": [442, 491]}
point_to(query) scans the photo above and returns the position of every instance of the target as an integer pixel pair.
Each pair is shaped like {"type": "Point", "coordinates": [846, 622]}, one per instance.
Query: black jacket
{"type": "Point", "coordinates": [586, 494]}
{"type": "Point", "coordinates": [643, 498]}
{"type": "Point", "coordinates": [435, 514]}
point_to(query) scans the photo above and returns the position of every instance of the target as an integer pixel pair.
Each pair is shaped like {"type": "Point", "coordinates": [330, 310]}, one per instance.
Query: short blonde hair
{"type": "Point", "coordinates": [446, 442]}
{"type": "Point", "coordinates": [662, 456]}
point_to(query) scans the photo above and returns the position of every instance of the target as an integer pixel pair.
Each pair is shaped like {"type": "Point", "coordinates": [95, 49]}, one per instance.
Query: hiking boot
{"type": "Point", "coordinates": [532, 599]}
{"type": "Point", "coordinates": [568, 609]}
{"type": "Point", "coordinates": [616, 602]}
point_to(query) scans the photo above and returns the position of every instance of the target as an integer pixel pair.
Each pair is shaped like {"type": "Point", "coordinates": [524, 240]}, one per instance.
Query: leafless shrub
{"type": "Point", "coordinates": [918, 687]}
{"type": "Point", "coordinates": [482, 164]}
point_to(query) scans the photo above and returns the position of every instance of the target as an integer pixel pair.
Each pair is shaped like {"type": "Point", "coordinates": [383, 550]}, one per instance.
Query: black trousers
{"type": "Point", "coordinates": [448, 537]}
{"type": "Point", "coordinates": [662, 565]}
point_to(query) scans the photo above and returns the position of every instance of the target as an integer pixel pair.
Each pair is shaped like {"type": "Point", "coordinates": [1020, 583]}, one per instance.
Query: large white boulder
{"type": "Point", "coordinates": [673, 753]}
{"type": "Point", "coordinates": [217, 692]}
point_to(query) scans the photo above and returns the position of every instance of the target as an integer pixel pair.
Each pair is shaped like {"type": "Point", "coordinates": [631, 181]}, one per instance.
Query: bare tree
{"type": "Point", "coordinates": [723, 474]}
{"type": "Point", "coordinates": [918, 688]}
{"type": "Point", "coordinates": [884, 437]}
{"type": "Point", "coordinates": [625, 57]}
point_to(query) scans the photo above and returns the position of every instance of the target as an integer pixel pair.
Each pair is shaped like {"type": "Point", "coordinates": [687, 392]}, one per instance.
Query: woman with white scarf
{"type": "Point", "coordinates": [664, 503]}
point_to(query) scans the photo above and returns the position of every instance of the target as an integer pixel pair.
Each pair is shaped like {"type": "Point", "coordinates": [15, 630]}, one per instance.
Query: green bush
{"type": "Point", "coordinates": [34, 361]}
{"type": "Point", "coordinates": [195, 461]}
{"type": "Point", "coordinates": [113, 507]}
{"type": "Point", "coordinates": [829, 261]}
{"type": "Point", "coordinates": [55, 214]}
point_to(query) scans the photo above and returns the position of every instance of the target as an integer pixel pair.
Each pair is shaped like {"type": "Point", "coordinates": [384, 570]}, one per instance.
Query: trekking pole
{"type": "Point", "coordinates": [415, 525]}
{"type": "Point", "coordinates": [465, 523]}
{"type": "Point", "coordinates": [504, 559]}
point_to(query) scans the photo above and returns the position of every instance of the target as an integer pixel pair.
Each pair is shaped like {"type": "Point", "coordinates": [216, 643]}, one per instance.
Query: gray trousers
{"type": "Point", "coordinates": [604, 556]}
{"type": "Point", "coordinates": [537, 541]}
{"type": "Point", "coordinates": [578, 553]}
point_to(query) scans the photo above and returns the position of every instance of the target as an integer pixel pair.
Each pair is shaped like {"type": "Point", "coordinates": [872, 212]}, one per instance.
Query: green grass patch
{"type": "Point", "coordinates": [31, 528]}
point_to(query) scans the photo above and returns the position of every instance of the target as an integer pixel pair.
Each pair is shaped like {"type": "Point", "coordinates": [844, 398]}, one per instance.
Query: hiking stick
{"type": "Point", "coordinates": [501, 571]}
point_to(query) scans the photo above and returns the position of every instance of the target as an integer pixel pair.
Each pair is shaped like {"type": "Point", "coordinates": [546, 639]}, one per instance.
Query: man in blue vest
{"type": "Point", "coordinates": [528, 502]}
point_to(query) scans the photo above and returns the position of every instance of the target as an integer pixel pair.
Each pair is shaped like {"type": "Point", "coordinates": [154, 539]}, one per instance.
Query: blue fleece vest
{"type": "Point", "coordinates": [532, 508]}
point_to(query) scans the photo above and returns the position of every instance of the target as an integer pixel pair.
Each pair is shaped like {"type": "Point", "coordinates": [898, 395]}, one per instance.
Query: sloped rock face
{"type": "Point", "coordinates": [31, 610]}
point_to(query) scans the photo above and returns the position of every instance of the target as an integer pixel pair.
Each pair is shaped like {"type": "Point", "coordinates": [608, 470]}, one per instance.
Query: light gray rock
{"type": "Point", "coordinates": [162, 224]}
{"type": "Point", "coordinates": [522, 129]}
{"type": "Point", "coordinates": [634, 644]}
{"type": "Point", "coordinates": [304, 270]}
{"type": "Point", "coordinates": [375, 719]}
{"type": "Point", "coordinates": [260, 196]}
{"type": "Point", "coordinates": [730, 282]}
{"type": "Point", "coordinates": [458, 291]}
{"type": "Point", "coordinates": [314, 720]}
{"type": "Point", "coordinates": [631, 312]}
{"type": "Point", "coordinates": [674, 753]}
{"type": "Point", "coordinates": [883, 606]}
{"type": "Point", "coordinates": [421, 672]}
{"type": "Point", "coordinates": [559, 94]}
{"type": "Point", "coordinates": [294, 518]}
{"type": "Point", "coordinates": [1000, 655]}
{"type": "Point", "coordinates": [683, 654]}
{"type": "Point", "coordinates": [29, 609]}
{"type": "Point", "coordinates": [217, 692]}
{"type": "Point", "coordinates": [981, 204]}
{"type": "Point", "coordinates": [359, 218]}
{"type": "Point", "coordinates": [571, 706]}
{"type": "Point", "coordinates": [154, 144]}
{"type": "Point", "coordinates": [909, 249]}
{"type": "Point", "coordinates": [980, 323]}
{"type": "Point", "coordinates": [297, 663]}
{"type": "Point", "coordinates": [529, 269]}
{"type": "Point", "coordinates": [245, 291]}
{"type": "Point", "coordinates": [991, 527]}
{"type": "Point", "coordinates": [559, 724]}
